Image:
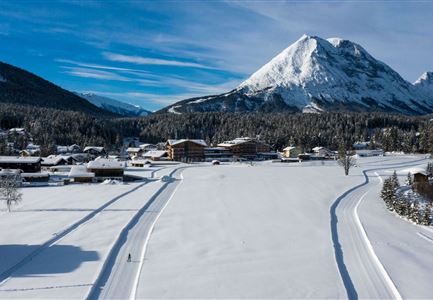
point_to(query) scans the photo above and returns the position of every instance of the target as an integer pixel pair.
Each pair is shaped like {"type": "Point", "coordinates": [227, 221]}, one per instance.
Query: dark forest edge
{"type": "Point", "coordinates": [50, 127]}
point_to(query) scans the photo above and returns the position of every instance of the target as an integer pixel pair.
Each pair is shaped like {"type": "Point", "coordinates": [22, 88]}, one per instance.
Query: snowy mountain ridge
{"type": "Point", "coordinates": [425, 84]}
{"type": "Point", "coordinates": [116, 106]}
{"type": "Point", "coordinates": [315, 74]}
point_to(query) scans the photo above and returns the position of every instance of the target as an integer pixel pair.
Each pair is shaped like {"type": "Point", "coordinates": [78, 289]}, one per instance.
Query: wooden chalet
{"type": "Point", "coordinates": [79, 173]}
{"type": "Point", "coordinates": [245, 147]}
{"type": "Point", "coordinates": [134, 151]}
{"type": "Point", "coordinates": [155, 155]}
{"type": "Point", "coordinates": [105, 168]}
{"type": "Point", "coordinates": [28, 164]}
{"type": "Point", "coordinates": [186, 150]}
{"type": "Point", "coordinates": [95, 151]}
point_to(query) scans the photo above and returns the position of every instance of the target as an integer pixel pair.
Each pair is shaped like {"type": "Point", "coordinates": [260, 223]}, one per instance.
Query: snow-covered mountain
{"type": "Point", "coordinates": [314, 75]}
{"type": "Point", "coordinates": [118, 107]}
{"type": "Point", "coordinates": [425, 84]}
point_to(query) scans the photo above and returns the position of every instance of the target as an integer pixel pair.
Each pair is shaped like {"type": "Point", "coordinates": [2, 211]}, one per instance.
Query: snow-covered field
{"type": "Point", "coordinates": [269, 230]}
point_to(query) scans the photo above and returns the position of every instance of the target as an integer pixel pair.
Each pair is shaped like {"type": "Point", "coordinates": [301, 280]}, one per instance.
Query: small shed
{"type": "Point", "coordinates": [420, 176]}
{"type": "Point", "coordinates": [291, 152]}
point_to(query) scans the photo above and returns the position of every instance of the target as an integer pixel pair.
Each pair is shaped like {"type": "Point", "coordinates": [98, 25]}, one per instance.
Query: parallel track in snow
{"type": "Point", "coordinates": [118, 279]}
{"type": "Point", "coordinates": [361, 271]}
{"type": "Point", "coordinates": [5, 275]}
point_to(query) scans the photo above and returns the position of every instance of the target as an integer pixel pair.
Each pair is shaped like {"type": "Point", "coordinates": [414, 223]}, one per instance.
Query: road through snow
{"type": "Point", "coordinates": [118, 278]}
{"type": "Point", "coordinates": [362, 273]}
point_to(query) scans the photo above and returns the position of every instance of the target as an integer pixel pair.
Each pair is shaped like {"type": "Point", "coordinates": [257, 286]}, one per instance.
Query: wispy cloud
{"type": "Point", "coordinates": [97, 66]}
{"type": "Point", "coordinates": [95, 74]}
{"type": "Point", "coordinates": [139, 60]}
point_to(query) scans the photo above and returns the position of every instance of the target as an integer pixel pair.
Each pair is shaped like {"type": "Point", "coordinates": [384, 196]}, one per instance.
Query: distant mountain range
{"type": "Point", "coordinates": [115, 106]}
{"type": "Point", "coordinates": [18, 86]}
{"type": "Point", "coordinates": [317, 75]}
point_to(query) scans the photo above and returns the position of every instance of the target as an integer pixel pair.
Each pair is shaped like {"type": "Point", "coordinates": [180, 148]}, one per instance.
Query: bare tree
{"type": "Point", "coordinates": [9, 191]}
{"type": "Point", "coordinates": [346, 159]}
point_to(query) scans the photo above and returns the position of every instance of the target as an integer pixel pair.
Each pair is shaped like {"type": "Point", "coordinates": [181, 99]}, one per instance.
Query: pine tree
{"type": "Point", "coordinates": [408, 181]}
{"type": "Point", "coordinates": [387, 193]}
{"type": "Point", "coordinates": [427, 215]}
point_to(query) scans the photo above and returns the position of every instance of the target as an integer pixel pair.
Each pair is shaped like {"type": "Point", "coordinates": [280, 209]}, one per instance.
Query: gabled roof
{"type": "Point", "coordinates": [98, 149]}
{"type": "Point", "coordinates": [80, 171]}
{"type": "Point", "coordinates": [290, 148]}
{"type": "Point", "coordinates": [105, 163]}
{"type": "Point", "coordinates": [53, 160]}
{"type": "Point", "coordinates": [176, 142]}
{"type": "Point", "coordinates": [134, 149]}
{"type": "Point", "coordinates": [155, 153]}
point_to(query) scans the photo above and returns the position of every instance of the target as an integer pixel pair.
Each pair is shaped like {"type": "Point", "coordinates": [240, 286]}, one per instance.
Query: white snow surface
{"type": "Point", "coordinates": [232, 231]}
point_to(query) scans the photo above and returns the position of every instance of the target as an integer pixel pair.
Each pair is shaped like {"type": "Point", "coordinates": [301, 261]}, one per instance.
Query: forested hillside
{"type": "Point", "coordinates": [50, 127]}
{"type": "Point", "coordinates": [19, 86]}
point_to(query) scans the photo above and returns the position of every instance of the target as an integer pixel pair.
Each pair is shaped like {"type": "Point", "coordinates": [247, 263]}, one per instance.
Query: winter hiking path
{"type": "Point", "coordinates": [361, 271]}
{"type": "Point", "coordinates": [119, 278]}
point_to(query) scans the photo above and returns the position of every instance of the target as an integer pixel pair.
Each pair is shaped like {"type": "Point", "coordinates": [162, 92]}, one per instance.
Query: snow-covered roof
{"type": "Point", "coordinates": [67, 148]}
{"type": "Point", "coordinates": [98, 149]}
{"type": "Point", "coordinates": [155, 153]}
{"type": "Point", "coordinates": [36, 175]}
{"type": "Point", "coordinates": [9, 172]}
{"type": "Point", "coordinates": [236, 141]}
{"type": "Point", "coordinates": [176, 142]}
{"type": "Point", "coordinates": [19, 159]}
{"type": "Point", "coordinates": [143, 146]}
{"type": "Point", "coordinates": [105, 163]}
{"type": "Point", "coordinates": [422, 172]}
{"type": "Point", "coordinates": [80, 171]}
{"type": "Point", "coordinates": [52, 160]}
{"type": "Point", "coordinates": [134, 149]}
{"type": "Point", "coordinates": [289, 148]}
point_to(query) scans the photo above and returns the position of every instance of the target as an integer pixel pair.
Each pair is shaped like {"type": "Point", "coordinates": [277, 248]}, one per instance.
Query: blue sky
{"type": "Point", "coordinates": [153, 53]}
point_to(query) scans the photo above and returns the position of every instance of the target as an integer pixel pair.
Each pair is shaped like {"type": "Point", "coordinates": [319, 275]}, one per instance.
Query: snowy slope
{"type": "Point", "coordinates": [425, 84]}
{"type": "Point", "coordinates": [115, 106]}
{"type": "Point", "coordinates": [315, 74]}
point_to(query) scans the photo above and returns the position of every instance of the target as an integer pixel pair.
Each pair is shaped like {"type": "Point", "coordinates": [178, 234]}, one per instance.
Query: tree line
{"type": "Point", "coordinates": [50, 127]}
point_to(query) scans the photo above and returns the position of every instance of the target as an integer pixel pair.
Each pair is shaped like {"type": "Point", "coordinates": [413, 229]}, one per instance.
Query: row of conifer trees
{"type": "Point", "coordinates": [404, 205]}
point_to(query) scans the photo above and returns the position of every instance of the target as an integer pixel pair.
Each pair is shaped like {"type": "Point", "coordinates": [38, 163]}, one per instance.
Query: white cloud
{"type": "Point", "coordinates": [139, 60]}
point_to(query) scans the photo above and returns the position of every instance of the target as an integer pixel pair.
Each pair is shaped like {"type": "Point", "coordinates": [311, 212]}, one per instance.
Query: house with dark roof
{"type": "Point", "coordinates": [29, 164]}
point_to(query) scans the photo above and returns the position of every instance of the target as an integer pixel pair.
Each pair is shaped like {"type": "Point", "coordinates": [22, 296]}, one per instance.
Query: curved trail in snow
{"type": "Point", "coordinates": [361, 271]}
{"type": "Point", "coordinates": [118, 279]}
{"type": "Point", "coordinates": [4, 276]}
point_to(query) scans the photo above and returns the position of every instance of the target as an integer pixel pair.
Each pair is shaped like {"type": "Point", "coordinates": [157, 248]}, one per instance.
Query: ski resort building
{"type": "Point", "coordinates": [28, 164]}
{"type": "Point", "coordinates": [218, 153]}
{"type": "Point", "coordinates": [245, 147]}
{"type": "Point", "coordinates": [186, 150]}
